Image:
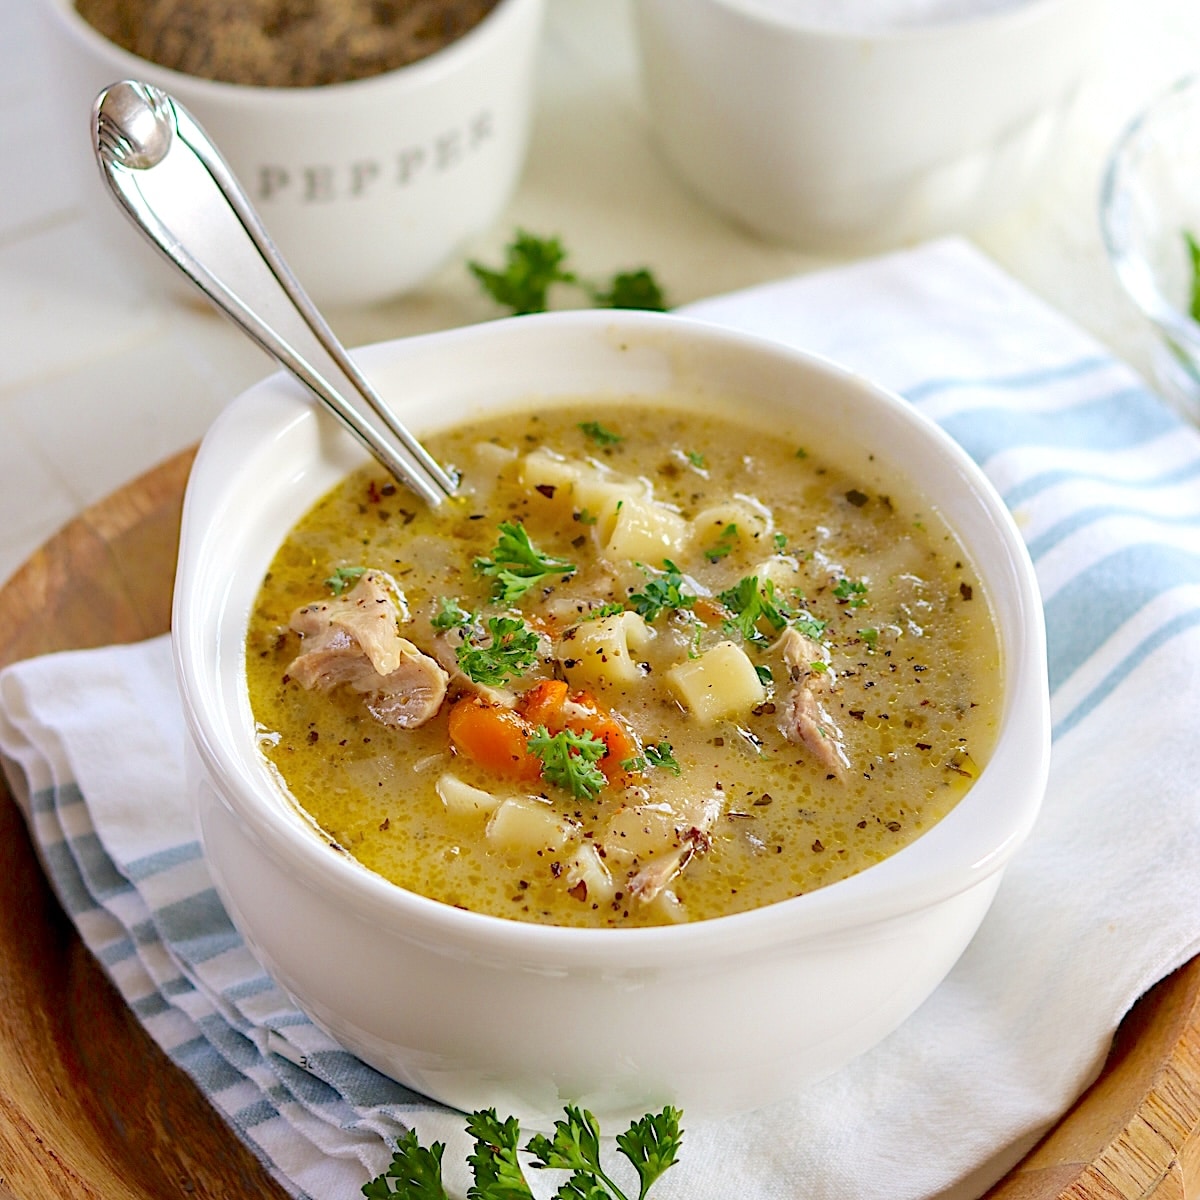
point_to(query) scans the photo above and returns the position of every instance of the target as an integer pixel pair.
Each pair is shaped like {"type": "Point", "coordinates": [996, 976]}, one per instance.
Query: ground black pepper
{"type": "Point", "coordinates": [283, 43]}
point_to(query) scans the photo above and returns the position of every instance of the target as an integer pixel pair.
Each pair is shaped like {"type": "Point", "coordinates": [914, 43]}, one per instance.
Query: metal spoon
{"type": "Point", "coordinates": [178, 190]}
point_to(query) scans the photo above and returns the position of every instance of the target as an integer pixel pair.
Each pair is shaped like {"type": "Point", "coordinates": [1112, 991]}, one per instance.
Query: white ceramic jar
{"type": "Point", "coordinates": [367, 186]}
{"type": "Point", "coordinates": [836, 139]}
{"type": "Point", "coordinates": [714, 1016]}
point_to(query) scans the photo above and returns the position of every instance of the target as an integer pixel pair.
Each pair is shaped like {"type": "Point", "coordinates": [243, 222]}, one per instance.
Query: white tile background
{"type": "Point", "coordinates": [102, 376]}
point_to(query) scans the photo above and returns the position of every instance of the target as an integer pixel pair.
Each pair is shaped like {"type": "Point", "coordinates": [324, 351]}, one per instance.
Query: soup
{"type": "Point", "coordinates": [655, 667]}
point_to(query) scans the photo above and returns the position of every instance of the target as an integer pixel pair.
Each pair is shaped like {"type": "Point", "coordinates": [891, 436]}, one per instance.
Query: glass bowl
{"type": "Point", "coordinates": [1150, 220]}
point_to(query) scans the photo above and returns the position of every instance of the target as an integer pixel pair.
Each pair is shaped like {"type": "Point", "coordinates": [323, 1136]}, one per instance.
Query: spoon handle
{"type": "Point", "coordinates": [172, 182]}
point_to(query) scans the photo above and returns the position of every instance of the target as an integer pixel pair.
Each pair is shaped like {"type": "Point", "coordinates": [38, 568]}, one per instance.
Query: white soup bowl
{"type": "Point", "coordinates": [714, 1016]}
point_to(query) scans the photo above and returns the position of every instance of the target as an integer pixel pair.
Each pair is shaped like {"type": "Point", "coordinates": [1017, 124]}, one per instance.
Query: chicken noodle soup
{"type": "Point", "coordinates": [650, 666]}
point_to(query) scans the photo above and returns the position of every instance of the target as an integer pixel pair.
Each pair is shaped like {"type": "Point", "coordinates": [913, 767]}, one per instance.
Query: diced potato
{"type": "Point", "coordinates": [494, 457]}
{"type": "Point", "coordinates": [462, 798]}
{"type": "Point", "coordinates": [780, 569]}
{"type": "Point", "coordinates": [647, 532]}
{"type": "Point", "coordinates": [551, 476]}
{"type": "Point", "coordinates": [720, 683]}
{"type": "Point", "coordinates": [587, 867]}
{"type": "Point", "coordinates": [668, 906]}
{"type": "Point", "coordinates": [528, 823]}
{"type": "Point", "coordinates": [604, 652]}
{"type": "Point", "coordinates": [640, 831]}
{"type": "Point", "coordinates": [603, 499]}
{"type": "Point", "coordinates": [752, 522]}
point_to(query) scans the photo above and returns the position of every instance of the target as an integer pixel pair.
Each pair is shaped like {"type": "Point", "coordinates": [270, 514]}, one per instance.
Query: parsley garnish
{"type": "Point", "coordinates": [651, 1146]}
{"type": "Point", "coordinates": [631, 289]}
{"type": "Point", "coordinates": [494, 1163]}
{"type": "Point", "coordinates": [511, 651]}
{"type": "Point", "coordinates": [870, 636]}
{"type": "Point", "coordinates": [569, 759]}
{"type": "Point", "coordinates": [415, 1172]}
{"type": "Point", "coordinates": [852, 591]}
{"type": "Point", "coordinates": [749, 603]}
{"type": "Point", "coordinates": [517, 565]}
{"type": "Point", "coordinates": [780, 542]}
{"type": "Point", "coordinates": [696, 459]}
{"type": "Point", "coordinates": [451, 615]}
{"type": "Point", "coordinates": [724, 545]}
{"type": "Point", "coordinates": [1193, 248]}
{"type": "Point", "coordinates": [532, 265]}
{"type": "Point", "coordinates": [600, 435]}
{"type": "Point", "coordinates": [343, 578]}
{"type": "Point", "coordinates": [662, 591]}
{"type": "Point", "coordinates": [807, 624]}
{"type": "Point", "coordinates": [662, 755]}
{"type": "Point", "coordinates": [605, 610]}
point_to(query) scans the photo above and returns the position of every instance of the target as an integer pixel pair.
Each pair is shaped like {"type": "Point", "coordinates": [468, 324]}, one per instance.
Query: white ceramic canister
{"type": "Point", "coordinates": [368, 186]}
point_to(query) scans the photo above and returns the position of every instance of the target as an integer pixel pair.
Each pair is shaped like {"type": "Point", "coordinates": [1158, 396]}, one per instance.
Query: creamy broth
{"type": "Point", "coordinates": [721, 671]}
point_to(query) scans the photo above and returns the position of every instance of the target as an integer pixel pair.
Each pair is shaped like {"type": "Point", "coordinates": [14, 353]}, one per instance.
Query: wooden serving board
{"type": "Point", "coordinates": [90, 1107]}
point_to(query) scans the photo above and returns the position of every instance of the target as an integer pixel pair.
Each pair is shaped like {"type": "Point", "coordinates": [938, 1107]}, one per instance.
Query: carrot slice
{"type": "Point", "coordinates": [543, 704]}
{"type": "Point", "coordinates": [495, 737]}
{"type": "Point", "coordinates": [619, 742]}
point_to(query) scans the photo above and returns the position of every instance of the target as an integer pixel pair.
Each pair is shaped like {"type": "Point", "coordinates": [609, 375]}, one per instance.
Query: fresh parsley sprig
{"type": "Point", "coordinates": [415, 1172]}
{"type": "Point", "coordinates": [344, 578]}
{"type": "Point", "coordinates": [1193, 250]}
{"type": "Point", "coordinates": [600, 434]}
{"type": "Point", "coordinates": [630, 289]}
{"type": "Point", "coordinates": [510, 651]}
{"type": "Point", "coordinates": [661, 755]}
{"type": "Point", "coordinates": [451, 615]}
{"type": "Point", "coordinates": [650, 1145]}
{"type": "Point", "coordinates": [851, 592]}
{"type": "Point", "coordinates": [569, 760]}
{"type": "Point", "coordinates": [517, 565]}
{"type": "Point", "coordinates": [750, 603]}
{"type": "Point", "coordinates": [533, 265]}
{"type": "Point", "coordinates": [724, 544]}
{"type": "Point", "coordinates": [494, 1163]}
{"type": "Point", "coordinates": [664, 592]}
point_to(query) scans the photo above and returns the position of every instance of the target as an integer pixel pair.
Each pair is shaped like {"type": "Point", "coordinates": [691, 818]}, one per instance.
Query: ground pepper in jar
{"type": "Point", "coordinates": [283, 43]}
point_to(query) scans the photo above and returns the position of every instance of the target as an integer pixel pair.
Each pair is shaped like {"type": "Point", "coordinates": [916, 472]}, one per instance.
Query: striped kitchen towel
{"type": "Point", "coordinates": [1102, 901]}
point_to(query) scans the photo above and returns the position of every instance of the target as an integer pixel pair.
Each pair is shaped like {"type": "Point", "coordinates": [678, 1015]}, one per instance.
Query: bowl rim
{"type": "Point", "coordinates": [866, 898]}
{"type": "Point", "coordinates": [443, 61]}
{"type": "Point", "coordinates": [1009, 18]}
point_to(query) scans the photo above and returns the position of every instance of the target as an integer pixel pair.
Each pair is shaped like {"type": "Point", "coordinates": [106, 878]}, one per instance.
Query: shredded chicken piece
{"type": "Point", "coordinates": [805, 719]}
{"type": "Point", "coordinates": [688, 835]}
{"type": "Point", "coordinates": [354, 640]}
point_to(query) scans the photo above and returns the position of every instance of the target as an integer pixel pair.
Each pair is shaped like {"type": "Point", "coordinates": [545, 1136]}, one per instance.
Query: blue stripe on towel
{"type": "Point", "coordinates": [1024, 491]}
{"type": "Point", "coordinates": [1078, 623]}
{"type": "Point", "coordinates": [1172, 629]}
{"type": "Point", "coordinates": [1117, 421]}
{"type": "Point", "coordinates": [209, 1070]}
{"type": "Point", "coordinates": [1083, 517]}
{"type": "Point", "coordinates": [197, 927]}
{"type": "Point", "coordinates": [153, 864]}
{"type": "Point", "coordinates": [1018, 381]}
